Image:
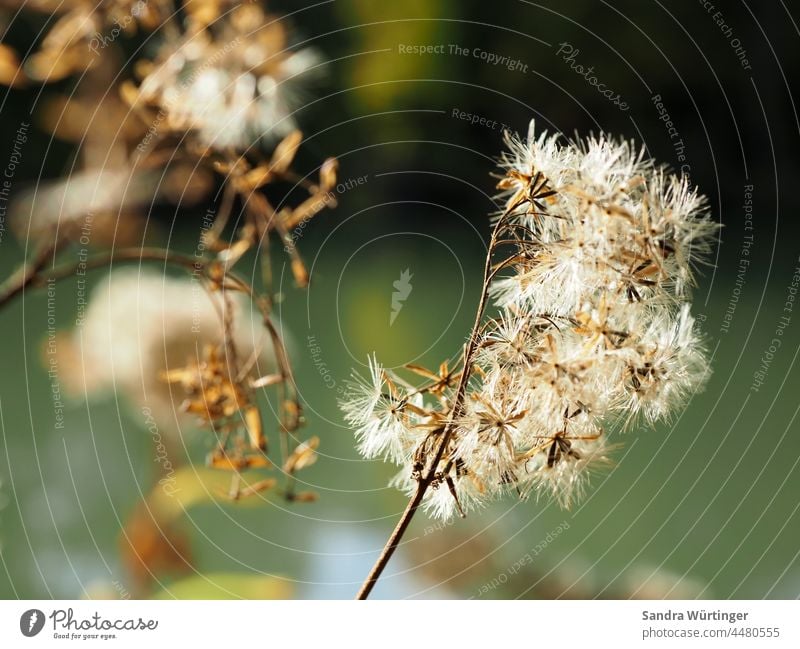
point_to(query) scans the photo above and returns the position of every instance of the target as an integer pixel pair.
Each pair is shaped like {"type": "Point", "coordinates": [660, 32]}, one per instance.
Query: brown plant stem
{"type": "Point", "coordinates": [26, 274]}
{"type": "Point", "coordinates": [425, 481]}
{"type": "Point", "coordinates": [32, 274]}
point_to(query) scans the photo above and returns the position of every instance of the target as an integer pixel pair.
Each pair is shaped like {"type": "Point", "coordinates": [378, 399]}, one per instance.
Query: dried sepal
{"type": "Point", "coordinates": [304, 497]}
{"type": "Point", "coordinates": [220, 459]}
{"type": "Point", "coordinates": [303, 456]}
{"type": "Point", "coordinates": [255, 431]}
{"type": "Point", "coordinates": [238, 492]}
{"type": "Point", "coordinates": [266, 381]}
{"type": "Point", "coordinates": [285, 152]}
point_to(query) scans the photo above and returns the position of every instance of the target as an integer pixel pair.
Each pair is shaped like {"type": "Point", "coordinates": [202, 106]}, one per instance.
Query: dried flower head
{"type": "Point", "coordinates": [594, 328]}
{"type": "Point", "coordinates": [383, 411]}
{"type": "Point", "coordinates": [232, 81]}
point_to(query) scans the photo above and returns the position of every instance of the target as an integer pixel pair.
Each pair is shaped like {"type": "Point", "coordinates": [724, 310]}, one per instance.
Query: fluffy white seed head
{"type": "Point", "coordinates": [594, 329]}
{"type": "Point", "coordinates": [380, 411]}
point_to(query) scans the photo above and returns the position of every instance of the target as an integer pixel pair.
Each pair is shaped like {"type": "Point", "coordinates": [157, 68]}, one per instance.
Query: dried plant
{"type": "Point", "coordinates": [230, 79]}
{"type": "Point", "coordinates": [590, 263]}
{"type": "Point", "coordinates": [213, 108]}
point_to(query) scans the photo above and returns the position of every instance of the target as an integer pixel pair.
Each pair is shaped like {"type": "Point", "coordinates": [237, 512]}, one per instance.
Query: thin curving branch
{"type": "Point", "coordinates": [428, 477]}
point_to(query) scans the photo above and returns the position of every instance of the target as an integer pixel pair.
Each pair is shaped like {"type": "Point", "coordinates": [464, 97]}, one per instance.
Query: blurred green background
{"type": "Point", "coordinates": [705, 507]}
